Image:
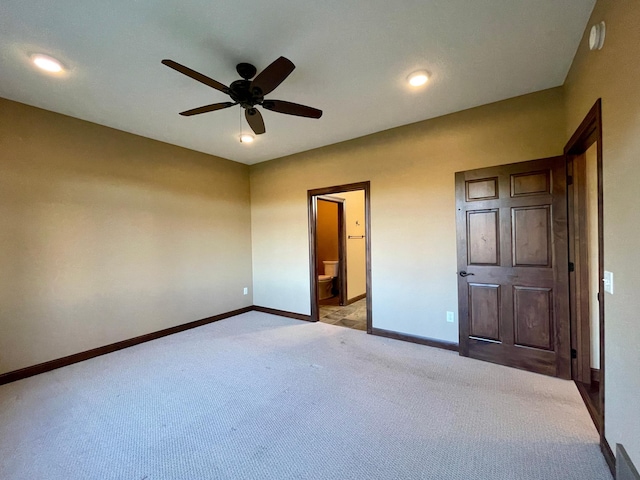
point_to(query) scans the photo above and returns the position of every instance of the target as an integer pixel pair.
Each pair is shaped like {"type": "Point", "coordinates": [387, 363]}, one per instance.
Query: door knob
{"type": "Point", "coordinates": [465, 274]}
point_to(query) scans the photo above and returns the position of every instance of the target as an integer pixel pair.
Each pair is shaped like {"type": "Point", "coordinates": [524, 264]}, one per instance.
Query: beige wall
{"type": "Point", "coordinates": [613, 74]}
{"type": "Point", "coordinates": [105, 235]}
{"type": "Point", "coordinates": [413, 239]}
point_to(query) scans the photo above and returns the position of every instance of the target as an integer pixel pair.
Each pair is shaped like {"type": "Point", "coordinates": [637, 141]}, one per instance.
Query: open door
{"type": "Point", "coordinates": [332, 238]}
{"type": "Point", "coordinates": [513, 265]}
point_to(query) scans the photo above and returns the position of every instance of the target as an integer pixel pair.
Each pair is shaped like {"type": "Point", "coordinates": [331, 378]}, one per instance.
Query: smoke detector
{"type": "Point", "coordinates": [596, 36]}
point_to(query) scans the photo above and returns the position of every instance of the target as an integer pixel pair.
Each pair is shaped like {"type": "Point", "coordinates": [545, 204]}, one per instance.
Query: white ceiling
{"type": "Point", "coordinates": [352, 60]}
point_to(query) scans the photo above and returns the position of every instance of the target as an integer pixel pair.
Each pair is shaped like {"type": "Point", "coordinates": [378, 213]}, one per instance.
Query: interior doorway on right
{"type": "Point", "coordinates": [584, 255]}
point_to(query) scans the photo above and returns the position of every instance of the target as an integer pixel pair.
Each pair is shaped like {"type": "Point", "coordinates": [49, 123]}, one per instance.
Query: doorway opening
{"type": "Point", "coordinates": [586, 248]}
{"type": "Point", "coordinates": [340, 255]}
{"type": "Point", "coordinates": [331, 248]}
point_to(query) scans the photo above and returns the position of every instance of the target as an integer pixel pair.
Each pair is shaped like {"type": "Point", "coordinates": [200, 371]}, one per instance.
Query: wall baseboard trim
{"type": "Point", "coordinates": [26, 372]}
{"type": "Point", "coordinates": [608, 455]}
{"type": "Point", "coordinates": [357, 298]}
{"type": "Point", "coordinates": [430, 342]}
{"type": "Point", "coordinates": [282, 313]}
{"type": "Point", "coordinates": [591, 408]}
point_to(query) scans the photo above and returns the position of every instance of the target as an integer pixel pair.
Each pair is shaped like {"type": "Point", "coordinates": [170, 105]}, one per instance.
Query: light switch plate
{"type": "Point", "coordinates": [450, 317]}
{"type": "Point", "coordinates": [608, 282]}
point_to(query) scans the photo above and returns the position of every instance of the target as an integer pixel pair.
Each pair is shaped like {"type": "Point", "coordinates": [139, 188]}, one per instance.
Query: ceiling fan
{"type": "Point", "coordinates": [250, 93]}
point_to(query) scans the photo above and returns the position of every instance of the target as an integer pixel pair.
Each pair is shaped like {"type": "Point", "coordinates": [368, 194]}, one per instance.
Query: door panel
{"type": "Point", "coordinates": [533, 317]}
{"type": "Point", "coordinates": [512, 242]}
{"type": "Point", "coordinates": [483, 224]}
{"type": "Point", "coordinates": [533, 183]}
{"type": "Point", "coordinates": [484, 301]}
{"type": "Point", "coordinates": [531, 232]}
{"type": "Point", "coordinates": [484, 189]}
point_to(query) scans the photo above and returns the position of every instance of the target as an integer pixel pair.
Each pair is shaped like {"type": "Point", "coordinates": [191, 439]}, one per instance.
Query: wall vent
{"type": "Point", "coordinates": [624, 467]}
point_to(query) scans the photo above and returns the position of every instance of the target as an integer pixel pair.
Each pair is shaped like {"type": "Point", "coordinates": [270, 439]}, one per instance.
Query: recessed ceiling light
{"type": "Point", "coordinates": [47, 63]}
{"type": "Point", "coordinates": [246, 138]}
{"type": "Point", "coordinates": [418, 78]}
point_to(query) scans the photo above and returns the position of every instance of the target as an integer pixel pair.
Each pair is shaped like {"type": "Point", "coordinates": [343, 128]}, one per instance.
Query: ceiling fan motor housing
{"type": "Point", "coordinates": [240, 91]}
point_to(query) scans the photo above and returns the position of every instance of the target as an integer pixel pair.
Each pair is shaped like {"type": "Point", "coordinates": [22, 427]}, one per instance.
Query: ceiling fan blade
{"type": "Point", "coordinates": [254, 118]}
{"type": "Point", "coordinates": [273, 75]}
{"type": "Point", "coordinates": [207, 108]}
{"type": "Point", "coordinates": [290, 108]}
{"type": "Point", "coordinates": [196, 75]}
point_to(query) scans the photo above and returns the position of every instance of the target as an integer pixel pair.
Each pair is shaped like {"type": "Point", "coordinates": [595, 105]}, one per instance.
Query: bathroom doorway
{"type": "Point", "coordinates": [340, 255]}
{"type": "Point", "coordinates": [331, 248]}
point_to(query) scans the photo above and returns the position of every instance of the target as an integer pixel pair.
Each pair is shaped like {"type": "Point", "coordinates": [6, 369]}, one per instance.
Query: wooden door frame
{"type": "Point", "coordinates": [342, 245]}
{"type": "Point", "coordinates": [313, 252]}
{"type": "Point", "coordinates": [588, 133]}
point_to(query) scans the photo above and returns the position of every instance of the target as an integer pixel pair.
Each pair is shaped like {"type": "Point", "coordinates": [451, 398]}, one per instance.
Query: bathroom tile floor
{"type": "Point", "coordinates": [350, 316]}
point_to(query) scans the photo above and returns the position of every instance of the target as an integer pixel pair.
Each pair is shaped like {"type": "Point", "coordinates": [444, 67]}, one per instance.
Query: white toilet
{"type": "Point", "coordinates": [326, 281]}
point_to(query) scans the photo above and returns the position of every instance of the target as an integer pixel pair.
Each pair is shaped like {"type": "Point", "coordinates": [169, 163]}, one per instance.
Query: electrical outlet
{"type": "Point", "coordinates": [451, 317]}
{"type": "Point", "coordinates": [246, 291]}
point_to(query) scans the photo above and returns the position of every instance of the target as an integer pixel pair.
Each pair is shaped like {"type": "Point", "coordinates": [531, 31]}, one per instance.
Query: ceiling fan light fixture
{"type": "Point", "coordinates": [419, 78]}
{"type": "Point", "coordinates": [47, 63]}
{"type": "Point", "coordinates": [249, 93]}
{"type": "Point", "coordinates": [246, 138]}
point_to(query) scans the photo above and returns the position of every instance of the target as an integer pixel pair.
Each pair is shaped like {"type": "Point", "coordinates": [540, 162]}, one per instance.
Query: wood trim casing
{"type": "Point", "coordinates": [96, 352]}
{"type": "Point", "coordinates": [430, 342]}
{"type": "Point", "coordinates": [313, 253]}
{"type": "Point", "coordinates": [579, 282]}
{"type": "Point", "coordinates": [588, 133]}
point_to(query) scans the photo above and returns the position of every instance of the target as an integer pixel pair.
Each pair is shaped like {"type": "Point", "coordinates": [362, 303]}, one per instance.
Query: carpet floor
{"type": "Point", "coordinates": [264, 397]}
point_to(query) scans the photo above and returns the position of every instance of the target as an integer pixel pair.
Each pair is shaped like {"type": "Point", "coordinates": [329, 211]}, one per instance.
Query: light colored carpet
{"type": "Point", "coordinates": [264, 397]}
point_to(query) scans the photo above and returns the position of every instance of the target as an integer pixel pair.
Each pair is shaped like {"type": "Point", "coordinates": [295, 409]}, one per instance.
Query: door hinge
{"type": "Point", "coordinates": [572, 267]}
{"type": "Point", "coordinates": [569, 179]}
{"type": "Point", "coordinates": [574, 353]}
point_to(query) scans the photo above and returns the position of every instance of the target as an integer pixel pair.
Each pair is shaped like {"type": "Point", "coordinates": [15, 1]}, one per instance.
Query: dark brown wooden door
{"type": "Point", "coordinates": [513, 267]}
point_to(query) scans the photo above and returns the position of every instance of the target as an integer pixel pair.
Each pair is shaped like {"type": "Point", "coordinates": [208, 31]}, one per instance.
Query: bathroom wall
{"type": "Point", "coordinates": [327, 234]}
{"type": "Point", "coordinates": [612, 74]}
{"type": "Point", "coordinates": [105, 236]}
{"type": "Point", "coordinates": [356, 251]}
{"type": "Point", "coordinates": [413, 232]}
